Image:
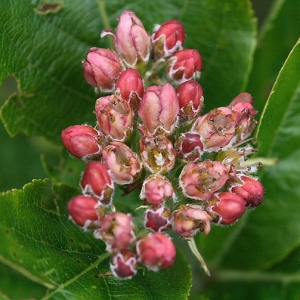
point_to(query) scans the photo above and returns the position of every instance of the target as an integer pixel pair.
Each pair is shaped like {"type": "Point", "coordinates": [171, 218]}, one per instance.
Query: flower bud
{"type": "Point", "coordinates": [190, 96]}
{"type": "Point", "coordinates": [159, 108]}
{"type": "Point", "coordinates": [114, 116]}
{"type": "Point", "coordinates": [101, 68]}
{"type": "Point", "coordinates": [86, 211]}
{"type": "Point", "coordinates": [124, 264]}
{"type": "Point", "coordinates": [189, 146]}
{"type": "Point", "coordinates": [156, 251]}
{"type": "Point", "coordinates": [157, 218]}
{"type": "Point", "coordinates": [184, 65]}
{"type": "Point", "coordinates": [81, 141]}
{"type": "Point", "coordinates": [156, 189]}
{"type": "Point", "coordinates": [250, 189]}
{"type": "Point", "coordinates": [226, 208]}
{"type": "Point", "coordinates": [200, 180]}
{"type": "Point", "coordinates": [167, 38]}
{"type": "Point", "coordinates": [123, 163]}
{"type": "Point", "coordinates": [188, 220]}
{"type": "Point", "coordinates": [131, 41]}
{"type": "Point", "coordinates": [131, 87]}
{"type": "Point", "coordinates": [97, 182]}
{"type": "Point", "coordinates": [217, 128]}
{"type": "Point", "coordinates": [243, 97]}
{"type": "Point", "coordinates": [116, 231]}
{"type": "Point", "coordinates": [157, 153]}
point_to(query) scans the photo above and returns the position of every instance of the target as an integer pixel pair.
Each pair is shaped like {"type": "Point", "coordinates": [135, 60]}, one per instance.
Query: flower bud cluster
{"type": "Point", "coordinates": [190, 168]}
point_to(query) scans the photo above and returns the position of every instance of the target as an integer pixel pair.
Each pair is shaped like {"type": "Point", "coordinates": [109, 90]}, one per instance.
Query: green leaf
{"type": "Point", "coordinates": [43, 52]}
{"type": "Point", "coordinates": [48, 248]}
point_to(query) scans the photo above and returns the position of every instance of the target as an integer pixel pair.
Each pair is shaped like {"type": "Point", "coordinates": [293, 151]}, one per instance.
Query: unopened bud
{"type": "Point", "coordinates": [156, 251]}
{"type": "Point", "coordinates": [157, 218]}
{"type": "Point", "coordinates": [86, 211]}
{"type": "Point", "coordinates": [81, 141]}
{"type": "Point", "coordinates": [124, 264]}
{"type": "Point", "coordinates": [159, 109]}
{"type": "Point", "coordinates": [123, 163]}
{"type": "Point", "coordinates": [101, 68]}
{"type": "Point", "coordinates": [97, 182]}
{"type": "Point", "coordinates": [131, 87]}
{"type": "Point", "coordinates": [184, 65]}
{"type": "Point", "coordinates": [168, 38]}
{"type": "Point", "coordinates": [156, 189]}
{"type": "Point", "coordinates": [200, 180]}
{"type": "Point", "coordinates": [189, 146]}
{"type": "Point", "coordinates": [115, 117]}
{"type": "Point", "coordinates": [188, 220]}
{"type": "Point", "coordinates": [190, 96]}
{"type": "Point", "coordinates": [116, 231]}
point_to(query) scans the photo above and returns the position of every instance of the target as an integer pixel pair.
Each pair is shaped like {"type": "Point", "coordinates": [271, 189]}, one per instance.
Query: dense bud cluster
{"type": "Point", "coordinates": [190, 169]}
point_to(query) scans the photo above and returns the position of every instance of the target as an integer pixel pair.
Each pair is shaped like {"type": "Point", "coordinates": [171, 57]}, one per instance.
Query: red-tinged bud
{"type": "Point", "coordinates": [189, 146]}
{"type": "Point", "coordinates": [156, 251]}
{"type": "Point", "coordinates": [250, 189]}
{"type": "Point", "coordinates": [184, 65]}
{"type": "Point", "coordinates": [116, 231]}
{"type": "Point", "coordinates": [226, 208]}
{"type": "Point", "coordinates": [246, 122]}
{"type": "Point", "coordinates": [159, 109]}
{"type": "Point", "coordinates": [97, 182]}
{"type": "Point", "coordinates": [114, 116]}
{"type": "Point", "coordinates": [190, 96]}
{"type": "Point", "coordinates": [217, 128]}
{"type": "Point", "coordinates": [157, 218]}
{"type": "Point", "coordinates": [156, 189]}
{"type": "Point", "coordinates": [131, 87]}
{"type": "Point", "coordinates": [157, 153]}
{"type": "Point", "coordinates": [123, 163]}
{"type": "Point", "coordinates": [200, 180]}
{"type": "Point", "coordinates": [101, 68]}
{"type": "Point", "coordinates": [124, 264]}
{"type": "Point", "coordinates": [131, 40]}
{"type": "Point", "coordinates": [82, 141]}
{"type": "Point", "coordinates": [243, 97]}
{"type": "Point", "coordinates": [167, 38]}
{"type": "Point", "coordinates": [188, 220]}
{"type": "Point", "coordinates": [86, 211]}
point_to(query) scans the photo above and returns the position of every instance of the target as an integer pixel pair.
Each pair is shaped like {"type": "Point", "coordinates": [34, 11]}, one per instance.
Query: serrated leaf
{"type": "Point", "coordinates": [49, 249]}
{"type": "Point", "coordinates": [44, 53]}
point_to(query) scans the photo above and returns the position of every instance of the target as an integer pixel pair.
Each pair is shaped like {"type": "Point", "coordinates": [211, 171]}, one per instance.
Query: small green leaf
{"type": "Point", "coordinates": [48, 248]}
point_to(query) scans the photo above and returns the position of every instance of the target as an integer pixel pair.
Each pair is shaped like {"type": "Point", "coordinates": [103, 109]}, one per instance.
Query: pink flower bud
{"type": "Point", "coordinates": [124, 264]}
{"type": "Point", "coordinates": [159, 109]}
{"type": "Point", "coordinates": [189, 146]}
{"type": "Point", "coordinates": [81, 141]}
{"type": "Point", "coordinates": [188, 220]}
{"type": "Point", "coordinates": [101, 68]}
{"type": "Point", "coordinates": [217, 128]}
{"type": "Point", "coordinates": [86, 211]}
{"type": "Point", "coordinates": [116, 231]}
{"type": "Point", "coordinates": [200, 180]}
{"type": "Point", "coordinates": [184, 65]}
{"type": "Point", "coordinates": [156, 251]}
{"type": "Point", "coordinates": [190, 96]}
{"type": "Point", "coordinates": [243, 97]}
{"type": "Point", "coordinates": [97, 182]}
{"type": "Point", "coordinates": [123, 163]}
{"type": "Point", "coordinates": [168, 38]}
{"type": "Point", "coordinates": [131, 87]}
{"type": "Point", "coordinates": [251, 190]}
{"type": "Point", "coordinates": [157, 218]}
{"type": "Point", "coordinates": [226, 208]}
{"type": "Point", "coordinates": [115, 117]}
{"type": "Point", "coordinates": [156, 189]}
{"type": "Point", "coordinates": [157, 153]}
{"type": "Point", "coordinates": [131, 40]}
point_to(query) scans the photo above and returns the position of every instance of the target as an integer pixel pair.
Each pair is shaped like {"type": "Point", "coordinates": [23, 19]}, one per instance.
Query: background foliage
{"type": "Point", "coordinates": [42, 254]}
